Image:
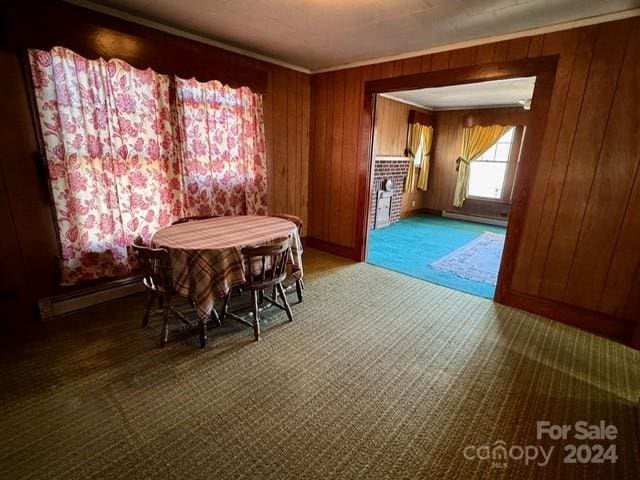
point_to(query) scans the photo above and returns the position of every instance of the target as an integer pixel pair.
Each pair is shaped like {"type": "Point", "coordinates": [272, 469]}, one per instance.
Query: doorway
{"type": "Point", "coordinates": [422, 223]}
{"type": "Point", "coordinates": [485, 225]}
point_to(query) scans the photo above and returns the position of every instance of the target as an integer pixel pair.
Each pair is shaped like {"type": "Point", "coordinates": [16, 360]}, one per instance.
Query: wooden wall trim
{"type": "Point", "coordinates": [542, 67]}
{"type": "Point", "coordinates": [606, 325]}
{"type": "Point", "coordinates": [500, 116]}
{"type": "Point", "coordinates": [459, 76]}
{"type": "Point", "coordinates": [422, 117]}
{"type": "Point", "coordinates": [334, 248]}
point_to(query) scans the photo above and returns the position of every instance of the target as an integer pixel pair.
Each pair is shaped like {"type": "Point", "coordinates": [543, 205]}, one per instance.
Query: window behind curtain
{"type": "Point", "coordinates": [118, 165]}
{"type": "Point", "coordinates": [488, 172]}
{"type": "Point", "coordinates": [223, 151]}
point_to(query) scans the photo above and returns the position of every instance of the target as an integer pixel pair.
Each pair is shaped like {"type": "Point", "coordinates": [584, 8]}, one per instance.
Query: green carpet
{"type": "Point", "coordinates": [380, 375]}
{"type": "Point", "coordinates": [412, 244]}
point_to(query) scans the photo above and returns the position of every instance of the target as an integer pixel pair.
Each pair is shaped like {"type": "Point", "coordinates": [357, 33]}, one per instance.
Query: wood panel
{"type": "Point", "coordinates": [586, 144]}
{"type": "Point", "coordinates": [571, 74]}
{"type": "Point", "coordinates": [583, 200]}
{"type": "Point", "coordinates": [390, 139]}
{"type": "Point", "coordinates": [392, 122]}
{"type": "Point", "coordinates": [616, 168]}
{"type": "Point", "coordinates": [446, 149]}
{"type": "Point", "coordinates": [412, 202]}
{"type": "Point", "coordinates": [286, 99]}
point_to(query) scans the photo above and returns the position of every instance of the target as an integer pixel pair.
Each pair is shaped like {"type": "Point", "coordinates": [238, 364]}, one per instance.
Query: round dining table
{"type": "Point", "coordinates": [206, 254]}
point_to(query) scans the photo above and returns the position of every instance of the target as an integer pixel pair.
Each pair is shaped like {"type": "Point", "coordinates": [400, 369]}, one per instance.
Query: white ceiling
{"type": "Point", "coordinates": [497, 93]}
{"type": "Point", "coordinates": [317, 34]}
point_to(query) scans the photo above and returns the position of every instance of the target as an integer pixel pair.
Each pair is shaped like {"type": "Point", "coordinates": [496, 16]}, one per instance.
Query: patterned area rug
{"type": "Point", "coordinates": [478, 260]}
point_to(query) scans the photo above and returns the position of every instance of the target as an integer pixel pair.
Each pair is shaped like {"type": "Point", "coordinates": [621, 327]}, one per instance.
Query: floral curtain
{"type": "Point", "coordinates": [109, 145]}
{"type": "Point", "coordinates": [223, 149]}
{"type": "Point", "coordinates": [118, 165]}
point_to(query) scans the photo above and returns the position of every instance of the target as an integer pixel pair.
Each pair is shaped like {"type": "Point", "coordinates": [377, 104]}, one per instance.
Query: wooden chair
{"type": "Point", "coordinates": [156, 276]}
{"type": "Point", "coordinates": [272, 262]}
{"type": "Point", "coordinates": [299, 283]}
{"type": "Point", "coordinates": [192, 219]}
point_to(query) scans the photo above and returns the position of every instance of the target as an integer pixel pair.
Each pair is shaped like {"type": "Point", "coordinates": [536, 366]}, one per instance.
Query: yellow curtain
{"type": "Point", "coordinates": [427, 140]}
{"type": "Point", "coordinates": [475, 141]}
{"type": "Point", "coordinates": [413, 142]}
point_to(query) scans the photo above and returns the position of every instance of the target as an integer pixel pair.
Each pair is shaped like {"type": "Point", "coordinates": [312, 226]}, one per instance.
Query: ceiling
{"type": "Point", "coordinates": [318, 34]}
{"type": "Point", "coordinates": [497, 93]}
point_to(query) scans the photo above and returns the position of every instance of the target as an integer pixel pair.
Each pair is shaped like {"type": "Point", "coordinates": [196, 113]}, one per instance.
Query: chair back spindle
{"type": "Point", "coordinates": [155, 265]}
{"type": "Point", "coordinates": [272, 271]}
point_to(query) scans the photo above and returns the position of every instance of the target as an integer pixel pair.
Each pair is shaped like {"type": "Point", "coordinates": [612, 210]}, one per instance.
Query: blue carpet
{"type": "Point", "coordinates": [410, 245]}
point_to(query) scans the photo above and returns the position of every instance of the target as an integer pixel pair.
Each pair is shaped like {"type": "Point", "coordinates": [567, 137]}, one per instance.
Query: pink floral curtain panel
{"type": "Point", "coordinates": [222, 149]}
{"type": "Point", "coordinates": [118, 152]}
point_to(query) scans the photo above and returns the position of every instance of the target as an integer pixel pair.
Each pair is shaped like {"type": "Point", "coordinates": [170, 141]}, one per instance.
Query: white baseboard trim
{"type": "Point", "coordinates": [60, 305]}
{"type": "Point", "coordinates": [473, 218]}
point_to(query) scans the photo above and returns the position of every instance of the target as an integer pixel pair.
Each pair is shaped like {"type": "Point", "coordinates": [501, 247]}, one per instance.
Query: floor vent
{"type": "Point", "coordinates": [475, 218]}
{"type": "Point", "coordinates": [60, 305]}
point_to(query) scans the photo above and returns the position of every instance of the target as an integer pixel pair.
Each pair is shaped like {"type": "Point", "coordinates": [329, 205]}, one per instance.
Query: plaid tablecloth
{"type": "Point", "coordinates": [206, 258]}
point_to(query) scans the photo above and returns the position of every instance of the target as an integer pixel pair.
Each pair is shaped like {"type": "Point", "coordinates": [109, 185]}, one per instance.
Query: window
{"type": "Point", "coordinates": [488, 172]}
{"type": "Point", "coordinates": [417, 160]}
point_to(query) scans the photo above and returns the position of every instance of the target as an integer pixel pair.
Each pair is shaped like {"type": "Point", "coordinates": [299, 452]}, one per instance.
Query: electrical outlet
{"type": "Point", "coordinates": [413, 203]}
{"type": "Point", "coordinates": [46, 308]}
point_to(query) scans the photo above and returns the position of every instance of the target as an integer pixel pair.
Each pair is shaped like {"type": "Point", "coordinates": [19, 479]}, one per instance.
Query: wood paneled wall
{"type": "Point", "coordinates": [446, 149]}
{"type": "Point", "coordinates": [580, 256]}
{"type": "Point", "coordinates": [448, 145]}
{"type": "Point", "coordinates": [391, 126]}
{"type": "Point", "coordinates": [390, 139]}
{"type": "Point", "coordinates": [286, 96]}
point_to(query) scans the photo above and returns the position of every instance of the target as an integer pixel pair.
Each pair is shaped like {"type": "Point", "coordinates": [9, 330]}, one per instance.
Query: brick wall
{"type": "Point", "coordinates": [396, 170]}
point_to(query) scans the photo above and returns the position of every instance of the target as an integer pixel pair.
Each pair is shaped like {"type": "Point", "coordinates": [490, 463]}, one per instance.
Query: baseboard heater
{"type": "Point", "coordinates": [474, 218]}
{"type": "Point", "coordinates": [60, 305]}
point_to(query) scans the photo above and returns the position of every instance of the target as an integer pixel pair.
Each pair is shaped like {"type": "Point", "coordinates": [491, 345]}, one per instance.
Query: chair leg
{"type": "Point", "coordinates": [225, 306]}
{"type": "Point", "coordinates": [256, 315]}
{"type": "Point", "coordinates": [287, 308]}
{"type": "Point", "coordinates": [164, 336]}
{"type": "Point", "coordinates": [203, 333]}
{"type": "Point", "coordinates": [299, 287]}
{"type": "Point", "coordinates": [214, 315]}
{"type": "Point", "coordinates": [145, 319]}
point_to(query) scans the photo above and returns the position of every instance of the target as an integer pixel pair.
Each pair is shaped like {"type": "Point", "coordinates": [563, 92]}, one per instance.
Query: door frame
{"type": "Point", "coordinates": [543, 68]}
